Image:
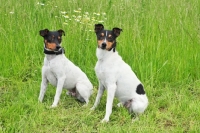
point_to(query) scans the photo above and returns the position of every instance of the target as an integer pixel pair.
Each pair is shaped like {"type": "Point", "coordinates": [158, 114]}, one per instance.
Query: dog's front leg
{"type": "Point", "coordinates": [43, 88]}
{"type": "Point", "coordinates": [99, 95]}
{"type": "Point", "coordinates": [59, 88]}
{"type": "Point", "coordinates": [110, 97]}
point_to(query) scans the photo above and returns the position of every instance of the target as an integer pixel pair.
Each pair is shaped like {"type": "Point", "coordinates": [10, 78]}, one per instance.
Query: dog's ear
{"type": "Point", "coordinates": [61, 32]}
{"type": "Point", "coordinates": [98, 27]}
{"type": "Point", "coordinates": [44, 32]}
{"type": "Point", "coordinates": [116, 31]}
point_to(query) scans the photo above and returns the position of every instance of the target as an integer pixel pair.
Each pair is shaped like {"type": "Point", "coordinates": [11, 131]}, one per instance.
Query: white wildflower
{"type": "Point", "coordinates": [101, 21]}
{"type": "Point", "coordinates": [63, 12]}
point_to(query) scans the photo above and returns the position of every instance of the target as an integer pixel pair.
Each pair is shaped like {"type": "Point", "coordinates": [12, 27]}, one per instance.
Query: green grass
{"type": "Point", "coordinates": [160, 41]}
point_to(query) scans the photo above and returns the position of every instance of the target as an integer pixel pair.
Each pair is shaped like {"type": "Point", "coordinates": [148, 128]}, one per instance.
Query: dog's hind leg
{"type": "Point", "coordinates": [43, 88]}
{"type": "Point", "coordinates": [84, 91]}
{"type": "Point", "coordinates": [99, 95]}
{"type": "Point", "coordinates": [137, 107]}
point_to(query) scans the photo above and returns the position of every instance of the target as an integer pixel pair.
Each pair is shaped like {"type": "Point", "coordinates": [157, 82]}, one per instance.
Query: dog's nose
{"type": "Point", "coordinates": [103, 45]}
{"type": "Point", "coordinates": [58, 47]}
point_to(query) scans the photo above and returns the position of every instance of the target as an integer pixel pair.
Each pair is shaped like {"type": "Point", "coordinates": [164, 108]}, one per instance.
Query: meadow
{"type": "Point", "coordinates": [160, 41]}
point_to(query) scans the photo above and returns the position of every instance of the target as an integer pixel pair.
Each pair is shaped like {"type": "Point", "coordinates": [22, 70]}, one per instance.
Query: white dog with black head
{"type": "Point", "coordinates": [60, 71]}
{"type": "Point", "coordinates": [116, 76]}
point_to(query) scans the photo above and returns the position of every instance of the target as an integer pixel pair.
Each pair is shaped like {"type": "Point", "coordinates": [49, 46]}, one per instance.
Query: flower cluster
{"type": "Point", "coordinates": [85, 18]}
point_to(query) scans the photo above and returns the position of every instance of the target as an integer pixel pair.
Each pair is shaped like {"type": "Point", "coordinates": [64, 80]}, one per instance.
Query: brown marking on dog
{"type": "Point", "coordinates": [109, 45]}
{"type": "Point", "coordinates": [99, 43]}
{"type": "Point", "coordinates": [51, 46]}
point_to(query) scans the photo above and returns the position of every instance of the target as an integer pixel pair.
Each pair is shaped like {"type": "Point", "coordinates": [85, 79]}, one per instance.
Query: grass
{"type": "Point", "coordinates": [160, 41]}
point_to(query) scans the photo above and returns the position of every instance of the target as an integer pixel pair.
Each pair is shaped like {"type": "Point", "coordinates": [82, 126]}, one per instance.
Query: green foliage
{"type": "Point", "coordinates": [160, 41]}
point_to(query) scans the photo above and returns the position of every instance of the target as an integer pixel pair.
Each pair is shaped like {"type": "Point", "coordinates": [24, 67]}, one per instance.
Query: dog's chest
{"type": "Point", "coordinates": [100, 70]}
{"type": "Point", "coordinates": [55, 68]}
{"type": "Point", "coordinates": [104, 70]}
{"type": "Point", "coordinates": [56, 64]}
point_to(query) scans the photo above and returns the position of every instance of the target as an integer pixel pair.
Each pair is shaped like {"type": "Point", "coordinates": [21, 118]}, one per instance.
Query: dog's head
{"type": "Point", "coordinates": [52, 39]}
{"type": "Point", "coordinates": [106, 39]}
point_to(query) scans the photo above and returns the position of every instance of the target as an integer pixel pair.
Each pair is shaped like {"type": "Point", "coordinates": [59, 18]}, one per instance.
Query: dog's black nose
{"type": "Point", "coordinates": [103, 45]}
{"type": "Point", "coordinates": [58, 47]}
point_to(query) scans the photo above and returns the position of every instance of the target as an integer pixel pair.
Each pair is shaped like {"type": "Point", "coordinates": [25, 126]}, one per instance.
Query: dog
{"type": "Point", "coordinates": [60, 71]}
{"type": "Point", "coordinates": [116, 76]}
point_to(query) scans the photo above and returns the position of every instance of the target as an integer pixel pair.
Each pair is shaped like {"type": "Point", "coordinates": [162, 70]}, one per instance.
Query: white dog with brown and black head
{"type": "Point", "coordinates": [60, 71]}
{"type": "Point", "coordinates": [116, 76]}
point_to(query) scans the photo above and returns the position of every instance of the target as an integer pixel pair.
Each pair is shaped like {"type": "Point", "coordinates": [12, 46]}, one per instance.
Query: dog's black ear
{"type": "Point", "coordinates": [44, 32]}
{"type": "Point", "coordinates": [98, 27]}
{"type": "Point", "coordinates": [116, 31]}
{"type": "Point", "coordinates": [61, 32]}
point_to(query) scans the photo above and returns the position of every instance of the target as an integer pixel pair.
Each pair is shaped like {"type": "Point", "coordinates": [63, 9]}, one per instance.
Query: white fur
{"type": "Point", "coordinates": [62, 73]}
{"type": "Point", "coordinates": [120, 81]}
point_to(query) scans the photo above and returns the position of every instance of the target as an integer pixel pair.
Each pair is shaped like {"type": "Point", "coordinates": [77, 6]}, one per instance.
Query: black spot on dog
{"type": "Point", "coordinates": [140, 90]}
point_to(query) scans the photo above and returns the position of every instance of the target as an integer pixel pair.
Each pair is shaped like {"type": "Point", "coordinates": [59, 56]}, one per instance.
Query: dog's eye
{"type": "Point", "coordinates": [100, 37]}
{"type": "Point", "coordinates": [110, 38]}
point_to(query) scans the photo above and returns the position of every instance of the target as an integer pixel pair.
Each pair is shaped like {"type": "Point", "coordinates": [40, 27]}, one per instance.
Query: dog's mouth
{"type": "Point", "coordinates": [56, 49]}
{"type": "Point", "coordinates": [103, 48]}
{"type": "Point", "coordinates": [107, 46]}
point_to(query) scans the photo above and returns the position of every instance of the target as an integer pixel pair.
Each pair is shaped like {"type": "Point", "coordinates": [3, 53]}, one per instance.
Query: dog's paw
{"type": "Point", "coordinates": [119, 105]}
{"type": "Point", "coordinates": [85, 105]}
{"type": "Point", "coordinates": [40, 99]}
{"type": "Point", "coordinates": [135, 119]}
{"type": "Point", "coordinates": [105, 120]}
{"type": "Point", "coordinates": [93, 108]}
{"type": "Point", "coordinates": [53, 106]}
{"type": "Point", "coordinates": [68, 93]}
